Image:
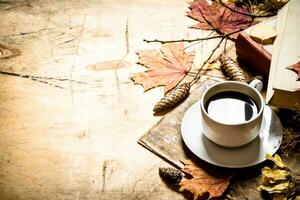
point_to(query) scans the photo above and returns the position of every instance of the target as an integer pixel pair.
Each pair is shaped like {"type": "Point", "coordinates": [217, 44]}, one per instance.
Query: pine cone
{"type": "Point", "coordinates": [170, 175]}
{"type": "Point", "coordinates": [172, 98]}
{"type": "Point", "coordinates": [232, 70]}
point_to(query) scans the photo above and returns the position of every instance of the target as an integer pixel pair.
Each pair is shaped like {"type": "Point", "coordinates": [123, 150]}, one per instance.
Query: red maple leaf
{"type": "Point", "coordinates": [166, 67]}
{"type": "Point", "coordinates": [219, 18]}
{"type": "Point", "coordinates": [296, 68]}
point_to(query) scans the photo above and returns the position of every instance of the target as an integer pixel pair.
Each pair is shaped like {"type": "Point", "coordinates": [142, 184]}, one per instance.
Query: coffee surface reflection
{"type": "Point", "coordinates": [231, 107]}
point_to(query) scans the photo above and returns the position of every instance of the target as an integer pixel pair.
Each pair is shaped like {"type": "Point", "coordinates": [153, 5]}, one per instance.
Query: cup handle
{"type": "Point", "coordinates": [257, 84]}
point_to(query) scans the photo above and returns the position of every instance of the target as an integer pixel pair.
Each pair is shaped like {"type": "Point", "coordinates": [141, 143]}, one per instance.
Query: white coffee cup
{"type": "Point", "coordinates": [232, 135]}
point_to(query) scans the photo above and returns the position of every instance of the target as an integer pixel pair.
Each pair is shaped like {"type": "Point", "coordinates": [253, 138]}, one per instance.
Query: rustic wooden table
{"type": "Point", "coordinates": [70, 117]}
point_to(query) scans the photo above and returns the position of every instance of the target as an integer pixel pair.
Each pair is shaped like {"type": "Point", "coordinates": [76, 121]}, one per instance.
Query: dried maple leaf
{"type": "Point", "coordinates": [165, 67]}
{"type": "Point", "coordinates": [202, 182]}
{"type": "Point", "coordinates": [217, 17]}
{"type": "Point", "coordinates": [296, 68]}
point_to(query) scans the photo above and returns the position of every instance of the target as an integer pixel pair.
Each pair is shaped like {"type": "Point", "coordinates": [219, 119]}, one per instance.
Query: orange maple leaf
{"type": "Point", "coordinates": [219, 18]}
{"type": "Point", "coordinates": [296, 68]}
{"type": "Point", "coordinates": [166, 67]}
{"type": "Point", "coordinates": [202, 182]}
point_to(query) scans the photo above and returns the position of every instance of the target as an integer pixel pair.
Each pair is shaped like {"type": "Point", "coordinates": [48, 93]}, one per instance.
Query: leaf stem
{"type": "Point", "coordinates": [198, 75]}
{"type": "Point", "coordinates": [194, 40]}
{"type": "Point", "coordinates": [198, 41]}
{"type": "Point", "coordinates": [183, 40]}
{"type": "Point", "coordinates": [243, 13]}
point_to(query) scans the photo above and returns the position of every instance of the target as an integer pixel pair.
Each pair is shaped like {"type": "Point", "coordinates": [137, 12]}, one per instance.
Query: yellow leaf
{"type": "Point", "coordinates": [263, 34]}
{"type": "Point", "coordinates": [278, 188]}
{"type": "Point", "coordinates": [277, 180]}
{"type": "Point", "coordinates": [278, 174]}
{"type": "Point", "coordinates": [277, 160]}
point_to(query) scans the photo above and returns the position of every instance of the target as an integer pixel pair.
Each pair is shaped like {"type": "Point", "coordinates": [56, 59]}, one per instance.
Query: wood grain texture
{"type": "Point", "coordinates": [69, 114]}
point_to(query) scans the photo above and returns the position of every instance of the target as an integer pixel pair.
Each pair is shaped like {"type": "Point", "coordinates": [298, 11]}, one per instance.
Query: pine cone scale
{"type": "Point", "coordinates": [232, 70]}
{"type": "Point", "coordinates": [172, 98]}
{"type": "Point", "coordinates": [170, 175]}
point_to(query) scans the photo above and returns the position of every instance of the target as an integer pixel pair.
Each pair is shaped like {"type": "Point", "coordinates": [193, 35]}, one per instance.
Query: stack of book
{"type": "Point", "coordinates": [272, 61]}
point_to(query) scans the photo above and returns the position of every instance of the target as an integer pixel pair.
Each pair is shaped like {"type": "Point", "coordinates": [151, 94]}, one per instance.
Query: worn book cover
{"type": "Point", "coordinates": [254, 55]}
{"type": "Point", "coordinates": [283, 86]}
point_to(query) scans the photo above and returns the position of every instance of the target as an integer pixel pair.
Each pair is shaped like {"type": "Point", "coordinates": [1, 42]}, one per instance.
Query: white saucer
{"type": "Point", "coordinates": [268, 141]}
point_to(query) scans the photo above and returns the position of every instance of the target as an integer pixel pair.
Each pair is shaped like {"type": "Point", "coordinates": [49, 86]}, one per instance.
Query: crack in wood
{"type": "Point", "coordinates": [106, 175]}
{"type": "Point", "coordinates": [104, 168]}
{"type": "Point", "coordinates": [126, 37]}
{"type": "Point", "coordinates": [25, 33]}
{"type": "Point", "coordinates": [65, 42]}
{"type": "Point", "coordinates": [41, 79]}
{"type": "Point", "coordinates": [75, 55]}
{"type": "Point", "coordinates": [31, 78]}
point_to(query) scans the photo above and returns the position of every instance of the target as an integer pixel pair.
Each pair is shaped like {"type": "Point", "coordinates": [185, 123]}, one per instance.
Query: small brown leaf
{"type": "Point", "coordinates": [202, 182]}
{"type": "Point", "coordinates": [165, 68]}
{"type": "Point", "coordinates": [296, 68]}
{"type": "Point", "coordinates": [217, 17]}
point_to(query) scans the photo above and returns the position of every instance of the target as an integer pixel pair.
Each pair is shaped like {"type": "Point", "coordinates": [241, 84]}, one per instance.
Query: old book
{"type": "Point", "coordinates": [254, 55]}
{"type": "Point", "coordinates": [283, 87]}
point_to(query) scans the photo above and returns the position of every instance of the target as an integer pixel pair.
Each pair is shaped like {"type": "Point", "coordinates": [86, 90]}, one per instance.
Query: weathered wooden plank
{"type": "Point", "coordinates": [74, 136]}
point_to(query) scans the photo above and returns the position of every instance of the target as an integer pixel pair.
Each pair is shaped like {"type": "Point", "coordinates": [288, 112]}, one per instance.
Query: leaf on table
{"type": "Point", "coordinates": [217, 17]}
{"type": "Point", "coordinates": [277, 160]}
{"type": "Point", "coordinates": [263, 34]}
{"type": "Point", "coordinates": [202, 183]}
{"type": "Point", "coordinates": [277, 181]}
{"type": "Point", "coordinates": [166, 67]}
{"type": "Point", "coordinates": [277, 188]}
{"type": "Point", "coordinates": [262, 7]}
{"type": "Point", "coordinates": [268, 6]}
{"type": "Point", "coordinates": [274, 175]}
{"type": "Point", "coordinates": [296, 68]}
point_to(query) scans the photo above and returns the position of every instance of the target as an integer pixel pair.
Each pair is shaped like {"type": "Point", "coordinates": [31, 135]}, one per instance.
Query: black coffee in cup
{"type": "Point", "coordinates": [231, 107]}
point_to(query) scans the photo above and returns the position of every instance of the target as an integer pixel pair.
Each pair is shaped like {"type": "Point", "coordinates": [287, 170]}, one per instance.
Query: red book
{"type": "Point", "coordinates": [254, 55]}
